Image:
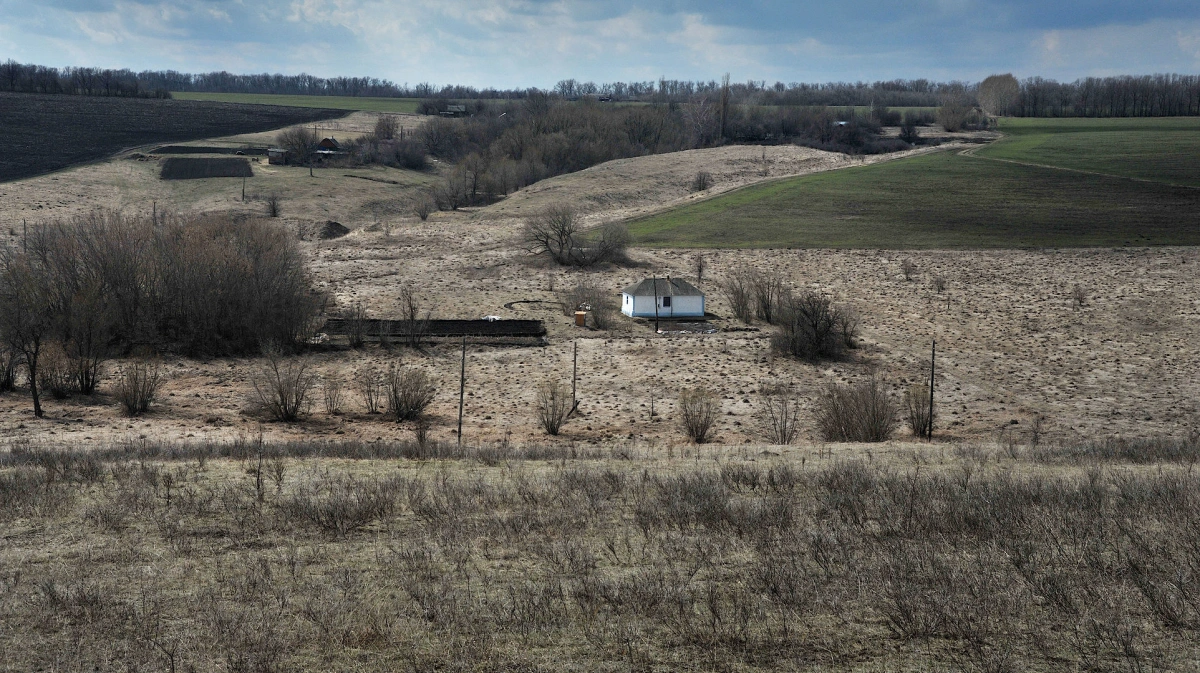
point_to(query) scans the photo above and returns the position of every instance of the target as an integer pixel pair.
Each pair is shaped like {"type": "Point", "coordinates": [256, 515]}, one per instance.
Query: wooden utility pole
{"type": "Point", "coordinates": [243, 189]}
{"type": "Point", "coordinates": [574, 373]}
{"type": "Point", "coordinates": [462, 387]}
{"type": "Point", "coordinates": [654, 282]}
{"type": "Point", "coordinates": [932, 365]}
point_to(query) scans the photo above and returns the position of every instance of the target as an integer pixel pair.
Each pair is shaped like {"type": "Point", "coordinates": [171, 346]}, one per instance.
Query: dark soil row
{"type": "Point", "coordinates": [45, 133]}
{"type": "Point", "coordinates": [178, 168]}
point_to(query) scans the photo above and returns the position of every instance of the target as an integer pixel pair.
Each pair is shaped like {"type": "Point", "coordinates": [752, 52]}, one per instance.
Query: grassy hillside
{"type": "Point", "coordinates": [394, 105]}
{"type": "Point", "coordinates": [1163, 150]}
{"type": "Point", "coordinates": [951, 200]}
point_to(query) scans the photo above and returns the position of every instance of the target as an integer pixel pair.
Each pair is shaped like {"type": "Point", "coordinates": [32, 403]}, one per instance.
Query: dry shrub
{"type": "Point", "coordinates": [282, 385]}
{"type": "Point", "coordinates": [554, 405]}
{"type": "Point", "coordinates": [331, 389]}
{"type": "Point", "coordinates": [386, 127]}
{"type": "Point", "coordinates": [863, 412]}
{"type": "Point", "coordinates": [917, 410]}
{"type": "Point", "coordinates": [702, 181]}
{"type": "Point", "coordinates": [423, 206]}
{"type": "Point", "coordinates": [356, 325]}
{"type": "Point", "coordinates": [779, 414]}
{"type": "Point", "coordinates": [1079, 295]}
{"type": "Point", "coordinates": [587, 295]}
{"type": "Point", "coordinates": [409, 391]}
{"type": "Point", "coordinates": [371, 388]}
{"type": "Point", "coordinates": [811, 327]}
{"type": "Point", "coordinates": [54, 373]}
{"type": "Point", "coordinates": [342, 504]}
{"type": "Point", "coordinates": [938, 283]}
{"type": "Point", "coordinates": [908, 268]}
{"type": "Point", "coordinates": [698, 411]}
{"type": "Point", "coordinates": [770, 296]}
{"type": "Point", "coordinates": [413, 323]}
{"type": "Point", "coordinates": [738, 291]}
{"type": "Point", "coordinates": [272, 202]}
{"type": "Point", "coordinates": [137, 387]}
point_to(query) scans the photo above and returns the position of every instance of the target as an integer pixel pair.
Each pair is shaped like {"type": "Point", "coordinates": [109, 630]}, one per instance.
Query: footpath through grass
{"type": "Point", "coordinates": [367, 104]}
{"type": "Point", "coordinates": [1159, 149]}
{"type": "Point", "coordinates": [951, 200]}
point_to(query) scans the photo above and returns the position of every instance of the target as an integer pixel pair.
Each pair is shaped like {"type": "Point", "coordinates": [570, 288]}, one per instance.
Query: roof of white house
{"type": "Point", "coordinates": [662, 287]}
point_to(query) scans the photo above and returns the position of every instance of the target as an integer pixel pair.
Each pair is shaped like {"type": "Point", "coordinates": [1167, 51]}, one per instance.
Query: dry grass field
{"type": "Point", "coordinates": [1029, 536]}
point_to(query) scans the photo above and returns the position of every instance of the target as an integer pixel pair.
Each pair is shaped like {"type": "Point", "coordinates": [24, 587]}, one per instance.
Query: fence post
{"type": "Point", "coordinates": [462, 386]}
{"type": "Point", "coordinates": [932, 365]}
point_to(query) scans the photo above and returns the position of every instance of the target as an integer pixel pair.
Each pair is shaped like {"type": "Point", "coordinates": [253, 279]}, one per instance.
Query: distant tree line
{"type": "Point", "coordinates": [30, 78]}
{"type": "Point", "coordinates": [1125, 96]}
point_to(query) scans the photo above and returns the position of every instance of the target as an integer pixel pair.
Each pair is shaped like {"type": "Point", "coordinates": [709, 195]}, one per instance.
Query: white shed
{"type": "Point", "coordinates": [674, 298]}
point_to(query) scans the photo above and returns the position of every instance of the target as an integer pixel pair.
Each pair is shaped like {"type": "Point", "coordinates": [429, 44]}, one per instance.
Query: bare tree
{"type": "Point", "coordinates": [555, 232]}
{"type": "Point", "coordinates": [769, 294]}
{"type": "Point", "coordinates": [908, 268]}
{"type": "Point", "coordinates": [282, 386]}
{"type": "Point", "coordinates": [29, 310]}
{"type": "Point", "coordinates": [137, 387]}
{"type": "Point", "coordinates": [370, 387]}
{"type": "Point", "coordinates": [272, 205]}
{"type": "Point", "coordinates": [812, 328]}
{"type": "Point", "coordinates": [301, 143]}
{"type": "Point", "coordinates": [998, 94]}
{"type": "Point", "coordinates": [699, 264]}
{"type": "Point", "coordinates": [917, 409]}
{"type": "Point", "coordinates": [423, 206]}
{"type": "Point", "coordinates": [856, 413]}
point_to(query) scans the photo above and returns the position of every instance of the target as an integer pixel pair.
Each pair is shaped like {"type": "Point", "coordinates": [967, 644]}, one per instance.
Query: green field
{"type": "Point", "coordinates": [394, 105]}
{"type": "Point", "coordinates": [952, 200]}
{"type": "Point", "coordinates": [1163, 150]}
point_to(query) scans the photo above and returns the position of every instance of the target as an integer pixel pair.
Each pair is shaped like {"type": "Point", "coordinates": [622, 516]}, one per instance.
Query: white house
{"type": "Point", "coordinates": [675, 299]}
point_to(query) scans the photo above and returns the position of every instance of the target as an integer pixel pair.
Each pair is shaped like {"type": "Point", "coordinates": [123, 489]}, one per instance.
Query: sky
{"type": "Point", "coordinates": [521, 43]}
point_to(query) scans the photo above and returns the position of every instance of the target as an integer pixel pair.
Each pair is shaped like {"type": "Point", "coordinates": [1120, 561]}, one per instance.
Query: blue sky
{"type": "Point", "coordinates": [516, 43]}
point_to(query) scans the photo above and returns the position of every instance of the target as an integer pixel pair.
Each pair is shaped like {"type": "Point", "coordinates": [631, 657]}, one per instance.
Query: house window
{"type": "Point", "coordinates": [666, 302]}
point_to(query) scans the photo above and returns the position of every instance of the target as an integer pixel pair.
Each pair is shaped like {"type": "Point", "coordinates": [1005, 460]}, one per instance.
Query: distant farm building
{"type": "Point", "coordinates": [454, 111]}
{"type": "Point", "coordinates": [277, 155]}
{"type": "Point", "coordinates": [329, 144]}
{"type": "Point", "coordinates": [662, 298]}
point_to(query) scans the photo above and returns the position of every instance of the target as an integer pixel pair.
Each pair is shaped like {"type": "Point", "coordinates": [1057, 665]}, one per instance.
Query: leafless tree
{"type": "Point", "coordinates": [917, 409]}
{"type": "Point", "coordinates": [301, 143]}
{"type": "Point", "coordinates": [28, 312]}
{"type": "Point", "coordinates": [555, 232]}
{"type": "Point", "coordinates": [272, 201]}
{"type": "Point", "coordinates": [769, 295]}
{"type": "Point", "coordinates": [370, 387]}
{"type": "Point", "coordinates": [137, 387]}
{"type": "Point", "coordinates": [699, 264]}
{"type": "Point", "coordinates": [908, 268]}
{"type": "Point", "coordinates": [423, 206]}
{"type": "Point", "coordinates": [999, 94]}
{"type": "Point", "coordinates": [1079, 295]}
{"type": "Point", "coordinates": [856, 413]}
{"type": "Point", "coordinates": [780, 415]}
{"type": "Point", "coordinates": [812, 327]}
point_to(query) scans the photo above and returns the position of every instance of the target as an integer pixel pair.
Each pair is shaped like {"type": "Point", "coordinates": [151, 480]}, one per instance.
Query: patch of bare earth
{"type": "Point", "coordinates": [1012, 344]}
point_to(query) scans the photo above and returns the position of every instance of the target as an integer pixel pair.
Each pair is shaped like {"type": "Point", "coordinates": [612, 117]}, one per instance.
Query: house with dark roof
{"type": "Point", "coordinates": [662, 298]}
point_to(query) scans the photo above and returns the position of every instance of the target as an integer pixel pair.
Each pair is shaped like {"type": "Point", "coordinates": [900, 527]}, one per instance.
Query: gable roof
{"type": "Point", "coordinates": [663, 288]}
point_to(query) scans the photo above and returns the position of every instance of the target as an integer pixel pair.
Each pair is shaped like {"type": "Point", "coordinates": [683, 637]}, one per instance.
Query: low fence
{"type": "Point", "coordinates": [440, 328]}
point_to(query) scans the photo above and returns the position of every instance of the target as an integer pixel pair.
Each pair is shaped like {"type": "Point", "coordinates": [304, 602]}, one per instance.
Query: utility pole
{"type": "Point", "coordinates": [243, 189]}
{"type": "Point", "coordinates": [654, 282]}
{"type": "Point", "coordinates": [932, 365]}
{"type": "Point", "coordinates": [462, 387]}
{"type": "Point", "coordinates": [574, 374]}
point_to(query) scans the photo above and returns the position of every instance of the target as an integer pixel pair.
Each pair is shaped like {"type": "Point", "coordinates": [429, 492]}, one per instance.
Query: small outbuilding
{"type": "Point", "coordinates": [662, 298]}
{"type": "Point", "coordinates": [278, 155]}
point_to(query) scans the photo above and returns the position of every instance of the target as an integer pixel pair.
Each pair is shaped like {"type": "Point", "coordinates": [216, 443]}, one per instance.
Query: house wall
{"type": "Point", "coordinates": [681, 307]}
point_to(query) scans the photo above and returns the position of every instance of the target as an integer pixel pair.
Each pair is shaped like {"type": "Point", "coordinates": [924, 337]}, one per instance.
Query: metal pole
{"type": "Point", "coordinates": [462, 386]}
{"type": "Point", "coordinates": [932, 365]}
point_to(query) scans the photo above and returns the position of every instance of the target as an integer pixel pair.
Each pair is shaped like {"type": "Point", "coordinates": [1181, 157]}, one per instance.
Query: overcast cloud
{"type": "Point", "coordinates": [516, 43]}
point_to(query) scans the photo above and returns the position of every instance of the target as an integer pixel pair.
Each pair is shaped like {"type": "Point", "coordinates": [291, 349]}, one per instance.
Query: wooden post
{"type": "Point", "coordinates": [24, 235]}
{"type": "Point", "coordinates": [654, 282]}
{"type": "Point", "coordinates": [932, 365]}
{"type": "Point", "coordinates": [574, 374]}
{"type": "Point", "coordinates": [462, 386]}
{"type": "Point", "coordinates": [243, 189]}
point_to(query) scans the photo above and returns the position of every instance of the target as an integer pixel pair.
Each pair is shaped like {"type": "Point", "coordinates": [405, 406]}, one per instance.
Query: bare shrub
{"type": "Point", "coordinates": [587, 295]}
{"type": "Point", "coordinates": [371, 389]}
{"type": "Point", "coordinates": [812, 328]}
{"type": "Point", "coordinates": [779, 414]}
{"type": "Point", "coordinates": [1037, 429]}
{"type": "Point", "coordinates": [739, 292]}
{"type": "Point", "coordinates": [553, 407]}
{"type": "Point", "coordinates": [938, 283]}
{"type": "Point", "coordinates": [555, 232]}
{"type": "Point", "coordinates": [1079, 295]}
{"type": "Point", "coordinates": [908, 268]}
{"type": "Point", "coordinates": [698, 411]}
{"type": "Point", "coordinates": [356, 326]}
{"type": "Point", "coordinates": [272, 202]}
{"type": "Point", "coordinates": [342, 504]}
{"type": "Point", "coordinates": [423, 206]}
{"type": "Point", "coordinates": [414, 324]}
{"type": "Point", "coordinates": [917, 409]}
{"type": "Point", "coordinates": [55, 375]}
{"type": "Point", "coordinates": [770, 295]}
{"type": "Point", "coordinates": [702, 181]}
{"type": "Point", "coordinates": [863, 412]}
{"type": "Point", "coordinates": [386, 127]}
{"type": "Point", "coordinates": [137, 387]}
{"type": "Point", "coordinates": [409, 391]}
{"type": "Point", "coordinates": [331, 389]}
{"type": "Point", "coordinates": [282, 385]}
